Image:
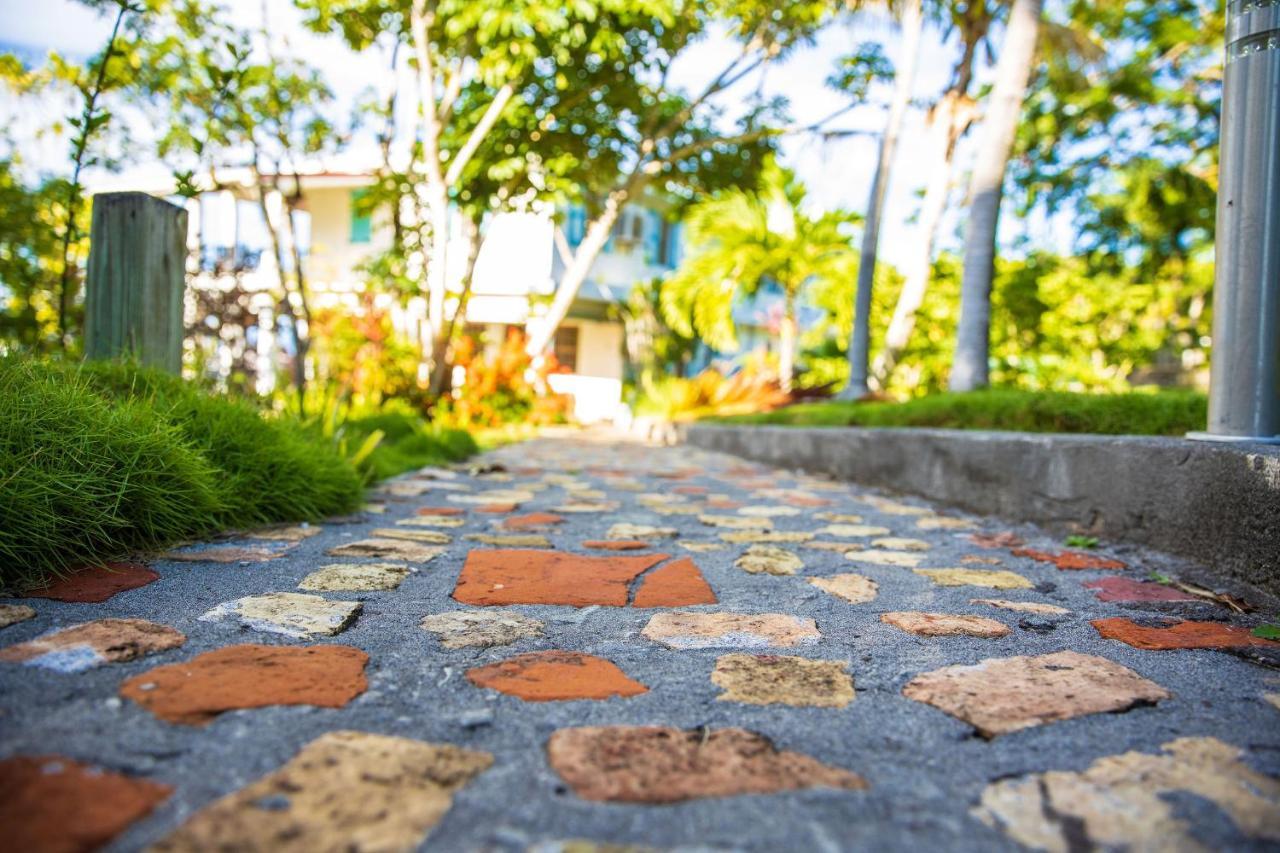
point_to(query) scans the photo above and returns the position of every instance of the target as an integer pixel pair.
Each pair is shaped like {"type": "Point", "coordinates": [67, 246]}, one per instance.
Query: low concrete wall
{"type": "Point", "coordinates": [1218, 504]}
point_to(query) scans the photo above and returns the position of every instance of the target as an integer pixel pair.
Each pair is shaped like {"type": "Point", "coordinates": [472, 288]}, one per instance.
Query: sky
{"type": "Point", "coordinates": [837, 172]}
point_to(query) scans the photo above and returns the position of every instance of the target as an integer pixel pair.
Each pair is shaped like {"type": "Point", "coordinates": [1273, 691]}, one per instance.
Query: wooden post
{"type": "Point", "coordinates": [137, 274]}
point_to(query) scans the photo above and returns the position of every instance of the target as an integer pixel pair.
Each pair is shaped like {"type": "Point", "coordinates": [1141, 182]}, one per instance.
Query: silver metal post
{"type": "Point", "coordinates": [1244, 394]}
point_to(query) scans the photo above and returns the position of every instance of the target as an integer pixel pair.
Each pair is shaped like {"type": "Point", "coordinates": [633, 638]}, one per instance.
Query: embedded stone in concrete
{"type": "Point", "coordinates": [438, 510]}
{"type": "Point", "coordinates": [96, 583]}
{"type": "Point", "coordinates": [766, 559]}
{"type": "Point", "coordinates": [1001, 695]}
{"type": "Point", "coordinates": [982, 561]}
{"type": "Point", "coordinates": [426, 537]}
{"type": "Point", "coordinates": [783, 680]}
{"type": "Point", "coordinates": [675, 508]}
{"type": "Point", "coordinates": [360, 577]}
{"type": "Point", "coordinates": [1129, 591]}
{"type": "Point", "coordinates": [854, 531]}
{"type": "Point", "coordinates": [992, 579]}
{"type": "Point", "coordinates": [1120, 802]}
{"type": "Point", "coordinates": [685, 630]}
{"type": "Point", "coordinates": [1181, 635]}
{"type": "Point", "coordinates": [1073, 561]}
{"type": "Point", "coordinates": [93, 644]}
{"type": "Point", "coordinates": [233, 678]}
{"type": "Point", "coordinates": [904, 559]}
{"type": "Point", "coordinates": [853, 588]}
{"type": "Point", "coordinates": [616, 544]}
{"type": "Point", "coordinates": [768, 511]}
{"type": "Point", "coordinates": [546, 577]}
{"type": "Point", "coordinates": [342, 791]}
{"type": "Point", "coordinates": [766, 536]}
{"type": "Point", "coordinates": [224, 554]}
{"type": "Point", "coordinates": [495, 496]}
{"type": "Point", "coordinates": [678, 584]}
{"type": "Point", "coordinates": [588, 506]}
{"type": "Point", "coordinates": [701, 547]}
{"type": "Point", "coordinates": [843, 518]}
{"type": "Point", "coordinates": [945, 624]}
{"type": "Point", "coordinates": [459, 629]}
{"type": "Point", "coordinates": [996, 540]}
{"type": "Point", "coordinates": [1036, 607]}
{"type": "Point", "coordinates": [289, 613]}
{"type": "Point", "coordinates": [736, 522]}
{"type": "Point", "coordinates": [722, 503]}
{"type": "Point", "coordinates": [388, 549]}
{"type": "Point", "coordinates": [496, 508]}
{"type": "Point", "coordinates": [640, 531]}
{"type": "Point", "coordinates": [898, 543]}
{"type": "Point", "coordinates": [891, 507]}
{"type": "Point", "coordinates": [660, 764]}
{"type": "Point", "coordinates": [532, 521]}
{"type": "Point", "coordinates": [838, 547]}
{"type": "Point", "coordinates": [12, 614]}
{"type": "Point", "coordinates": [941, 522]}
{"type": "Point", "coordinates": [690, 490]}
{"type": "Point", "coordinates": [52, 803]}
{"type": "Point", "coordinates": [432, 521]}
{"type": "Point", "coordinates": [285, 532]}
{"type": "Point", "coordinates": [556, 676]}
{"type": "Point", "coordinates": [806, 501]}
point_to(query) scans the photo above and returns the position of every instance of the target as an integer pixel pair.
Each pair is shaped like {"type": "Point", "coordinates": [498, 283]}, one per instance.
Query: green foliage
{"type": "Point", "coordinates": [1081, 542]}
{"type": "Point", "coordinates": [710, 393]}
{"type": "Point", "coordinates": [408, 443]}
{"type": "Point", "coordinates": [1165, 413]}
{"type": "Point", "coordinates": [1267, 632]}
{"type": "Point", "coordinates": [84, 478]}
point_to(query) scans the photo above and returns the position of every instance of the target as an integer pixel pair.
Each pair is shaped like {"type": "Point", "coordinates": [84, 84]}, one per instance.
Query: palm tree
{"type": "Point", "coordinates": [912, 18]}
{"type": "Point", "coordinates": [969, 369]}
{"type": "Point", "coordinates": [743, 240]}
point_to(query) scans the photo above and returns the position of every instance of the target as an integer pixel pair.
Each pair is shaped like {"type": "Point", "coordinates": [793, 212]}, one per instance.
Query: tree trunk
{"type": "Point", "coordinates": [949, 120]}
{"type": "Point", "coordinates": [787, 343]}
{"type": "Point", "coordinates": [860, 341]}
{"type": "Point", "coordinates": [440, 347]}
{"type": "Point", "coordinates": [542, 329]}
{"type": "Point", "coordinates": [277, 246]}
{"type": "Point", "coordinates": [970, 369]}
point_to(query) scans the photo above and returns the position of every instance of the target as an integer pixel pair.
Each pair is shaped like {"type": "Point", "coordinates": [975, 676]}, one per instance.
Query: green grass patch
{"type": "Point", "coordinates": [1162, 413]}
{"type": "Point", "coordinates": [408, 443]}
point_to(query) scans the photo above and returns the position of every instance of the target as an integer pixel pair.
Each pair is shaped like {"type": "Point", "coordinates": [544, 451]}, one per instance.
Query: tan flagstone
{"type": "Point", "coordinates": [285, 532]}
{"type": "Point", "coordinates": [783, 680]}
{"type": "Point", "coordinates": [1036, 607]}
{"type": "Point", "coordinates": [224, 554]}
{"type": "Point", "coordinates": [886, 558]}
{"type": "Point", "coordinates": [1273, 698]}
{"type": "Point", "coordinates": [838, 547]}
{"type": "Point", "coordinates": [289, 613]}
{"type": "Point", "coordinates": [701, 547]}
{"type": "Point", "coordinates": [767, 559]}
{"type": "Point", "coordinates": [429, 537]}
{"type": "Point", "coordinates": [495, 496]}
{"type": "Point", "coordinates": [624, 530]}
{"type": "Point", "coordinates": [459, 629]}
{"type": "Point", "coordinates": [365, 577]}
{"type": "Point", "coordinates": [511, 540]}
{"type": "Point", "coordinates": [983, 561]}
{"type": "Point", "coordinates": [856, 531]}
{"type": "Point", "coordinates": [840, 518]}
{"type": "Point", "coordinates": [92, 644]}
{"type": "Point", "coordinates": [677, 509]}
{"type": "Point", "coordinates": [12, 614]}
{"type": "Point", "coordinates": [586, 506]}
{"type": "Point", "coordinates": [344, 791]}
{"type": "Point", "coordinates": [897, 543]}
{"type": "Point", "coordinates": [890, 507]}
{"type": "Point", "coordinates": [375, 507]}
{"type": "Point", "coordinates": [992, 579]}
{"type": "Point", "coordinates": [1119, 802]}
{"type": "Point", "coordinates": [1001, 695]}
{"type": "Point", "coordinates": [392, 549]}
{"type": "Point", "coordinates": [768, 511]}
{"type": "Point", "coordinates": [766, 536]}
{"type": "Point", "coordinates": [692, 630]}
{"type": "Point", "coordinates": [945, 624]}
{"type": "Point", "coordinates": [853, 588]}
{"type": "Point", "coordinates": [736, 522]}
{"type": "Point", "coordinates": [432, 521]}
{"type": "Point", "coordinates": [941, 522]}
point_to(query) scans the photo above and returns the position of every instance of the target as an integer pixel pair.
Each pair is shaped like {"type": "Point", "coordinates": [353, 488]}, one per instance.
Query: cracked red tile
{"type": "Point", "coordinates": [677, 584]}
{"type": "Point", "coordinates": [1071, 561]}
{"type": "Point", "coordinates": [996, 540]}
{"type": "Point", "coordinates": [96, 583]}
{"type": "Point", "coordinates": [1130, 591]}
{"type": "Point", "coordinates": [496, 508]}
{"type": "Point", "coordinates": [690, 490]}
{"type": "Point", "coordinates": [52, 803]}
{"type": "Point", "coordinates": [532, 521]}
{"type": "Point", "coordinates": [1181, 635]}
{"type": "Point", "coordinates": [249, 676]}
{"type": "Point", "coordinates": [556, 676]}
{"type": "Point", "coordinates": [520, 576]}
{"type": "Point", "coordinates": [438, 510]}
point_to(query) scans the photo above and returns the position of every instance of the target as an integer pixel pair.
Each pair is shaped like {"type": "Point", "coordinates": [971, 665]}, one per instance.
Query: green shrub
{"type": "Point", "coordinates": [1161, 413]}
{"type": "Point", "coordinates": [271, 467]}
{"type": "Point", "coordinates": [84, 479]}
{"type": "Point", "coordinates": [408, 443]}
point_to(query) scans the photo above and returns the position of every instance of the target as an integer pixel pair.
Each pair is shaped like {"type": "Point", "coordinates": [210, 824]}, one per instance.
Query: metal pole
{"type": "Point", "coordinates": [1244, 394]}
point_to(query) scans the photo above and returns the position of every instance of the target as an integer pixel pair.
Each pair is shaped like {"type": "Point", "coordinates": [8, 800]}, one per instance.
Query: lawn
{"type": "Point", "coordinates": [1161, 413]}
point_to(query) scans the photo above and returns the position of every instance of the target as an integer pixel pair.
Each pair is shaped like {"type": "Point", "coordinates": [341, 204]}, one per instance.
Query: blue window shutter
{"type": "Point", "coordinates": [361, 224]}
{"type": "Point", "coordinates": [675, 247]}
{"type": "Point", "coordinates": [653, 237]}
{"type": "Point", "coordinates": [575, 224]}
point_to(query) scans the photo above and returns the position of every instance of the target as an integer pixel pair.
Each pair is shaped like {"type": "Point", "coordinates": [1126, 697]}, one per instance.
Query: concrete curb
{"type": "Point", "coordinates": [1218, 504]}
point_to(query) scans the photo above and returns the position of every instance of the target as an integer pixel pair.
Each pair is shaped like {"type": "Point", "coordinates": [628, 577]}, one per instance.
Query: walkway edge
{"type": "Point", "coordinates": [1218, 504]}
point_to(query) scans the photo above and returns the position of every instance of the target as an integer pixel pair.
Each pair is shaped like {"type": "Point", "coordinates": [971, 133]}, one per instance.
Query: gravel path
{"type": "Point", "coordinates": [581, 641]}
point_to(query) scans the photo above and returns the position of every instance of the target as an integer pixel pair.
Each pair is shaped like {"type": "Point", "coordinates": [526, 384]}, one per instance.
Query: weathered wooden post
{"type": "Point", "coordinates": [137, 273]}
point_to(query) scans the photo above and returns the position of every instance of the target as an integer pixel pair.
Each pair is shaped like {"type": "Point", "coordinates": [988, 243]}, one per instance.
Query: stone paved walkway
{"type": "Point", "coordinates": [608, 642]}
